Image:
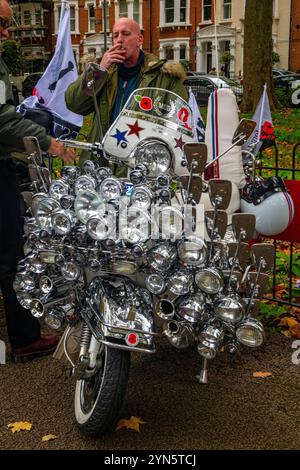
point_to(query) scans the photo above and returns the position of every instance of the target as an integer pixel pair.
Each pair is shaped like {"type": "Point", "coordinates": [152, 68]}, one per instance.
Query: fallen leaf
{"type": "Point", "coordinates": [132, 423]}
{"type": "Point", "coordinates": [20, 426]}
{"type": "Point", "coordinates": [289, 322]}
{"type": "Point", "coordinates": [286, 333]}
{"type": "Point", "coordinates": [49, 437]}
{"type": "Point", "coordinates": [262, 374]}
{"type": "Point", "coordinates": [295, 331]}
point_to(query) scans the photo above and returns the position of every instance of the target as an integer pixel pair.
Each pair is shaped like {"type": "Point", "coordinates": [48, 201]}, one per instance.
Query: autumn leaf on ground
{"type": "Point", "coordinates": [295, 331]}
{"type": "Point", "coordinates": [288, 322]}
{"type": "Point", "coordinates": [132, 423]}
{"type": "Point", "coordinates": [20, 426]}
{"type": "Point", "coordinates": [262, 374]}
{"type": "Point", "coordinates": [286, 333]}
{"type": "Point", "coordinates": [49, 437]}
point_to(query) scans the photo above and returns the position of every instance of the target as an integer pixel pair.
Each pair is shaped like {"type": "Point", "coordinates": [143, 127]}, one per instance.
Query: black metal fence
{"type": "Point", "coordinates": [294, 170]}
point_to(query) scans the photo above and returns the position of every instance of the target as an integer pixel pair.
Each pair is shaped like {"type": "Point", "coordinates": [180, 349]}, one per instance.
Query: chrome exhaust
{"type": "Point", "coordinates": [165, 309]}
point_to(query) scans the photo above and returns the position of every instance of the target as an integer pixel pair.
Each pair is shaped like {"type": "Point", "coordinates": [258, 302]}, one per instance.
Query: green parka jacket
{"type": "Point", "coordinates": [154, 73]}
{"type": "Point", "coordinates": [13, 127]}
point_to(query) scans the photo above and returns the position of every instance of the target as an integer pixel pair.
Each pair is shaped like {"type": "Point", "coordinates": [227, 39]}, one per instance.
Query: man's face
{"type": "Point", "coordinates": [5, 18]}
{"type": "Point", "coordinates": [127, 35]}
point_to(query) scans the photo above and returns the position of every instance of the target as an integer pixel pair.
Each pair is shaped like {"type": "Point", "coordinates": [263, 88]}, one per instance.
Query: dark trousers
{"type": "Point", "coordinates": [22, 327]}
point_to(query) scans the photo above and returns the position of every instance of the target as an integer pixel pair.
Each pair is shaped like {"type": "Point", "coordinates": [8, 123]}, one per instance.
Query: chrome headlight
{"type": "Point", "coordinates": [62, 222]}
{"type": "Point", "coordinates": [70, 271]}
{"type": "Point", "coordinates": [209, 341]}
{"type": "Point", "coordinates": [137, 229]}
{"type": "Point", "coordinates": [161, 257]}
{"type": "Point", "coordinates": [36, 265]}
{"type": "Point", "coordinates": [229, 309]}
{"type": "Point", "coordinates": [170, 222]}
{"type": "Point", "coordinates": [192, 251]}
{"type": "Point", "coordinates": [36, 198]}
{"type": "Point", "coordinates": [36, 308]}
{"type": "Point", "coordinates": [180, 283]}
{"type": "Point", "coordinates": [155, 155]}
{"type": "Point", "coordinates": [209, 280]}
{"type": "Point", "coordinates": [24, 299]}
{"type": "Point", "coordinates": [110, 188]}
{"type": "Point", "coordinates": [69, 173]}
{"type": "Point", "coordinates": [58, 189]}
{"type": "Point", "coordinates": [192, 309]}
{"type": "Point", "coordinates": [54, 319]}
{"type": "Point", "coordinates": [88, 204]}
{"type": "Point", "coordinates": [45, 285]}
{"type": "Point", "coordinates": [250, 333]}
{"type": "Point", "coordinates": [141, 197]}
{"type": "Point", "coordinates": [100, 228]}
{"type": "Point", "coordinates": [84, 183]}
{"type": "Point", "coordinates": [43, 212]}
{"type": "Point", "coordinates": [24, 283]}
{"type": "Point", "coordinates": [155, 283]}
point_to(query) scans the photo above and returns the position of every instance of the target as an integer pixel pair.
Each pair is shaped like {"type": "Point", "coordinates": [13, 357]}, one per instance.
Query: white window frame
{"type": "Point", "coordinates": [177, 9]}
{"type": "Point", "coordinates": [108, 5]}
{"type": "Point", "coordinates": [227, 9]}
{"type": "Point", "coordinates": [175, 44]}
{"type": "Point", "coordinates": [88, 4]}
{"type": "Point", "coordinates": [170, 9]}
{"type": "Point", "coordinates": [57, 9]}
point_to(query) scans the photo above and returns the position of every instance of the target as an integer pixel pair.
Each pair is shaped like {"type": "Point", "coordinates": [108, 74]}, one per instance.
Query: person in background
{"type": "Point", "coordinates": [23, 329]}
{"type": "Point", "coordinates": [213, 71]}
{"type": "Point", "coordinates": [123, 68]}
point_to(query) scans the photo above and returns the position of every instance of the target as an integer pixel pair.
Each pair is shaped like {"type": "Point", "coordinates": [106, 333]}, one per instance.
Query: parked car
{"type": "Point", "coordinates": [203, 85]}
{"type": "Point", "coordinates": [287, 88]}
{"type": "Point", "coordinates": [279, 72]}
{"type": "Point", "coordinates": [29, 83]}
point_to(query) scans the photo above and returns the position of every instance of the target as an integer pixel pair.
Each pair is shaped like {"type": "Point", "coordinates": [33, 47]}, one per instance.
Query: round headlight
{"type": "Point", "coordinates": [58, 189]}
{"type": "Point", "coordinates": [45, 284]}
{"type": "Point", "coordinates": [141, 197]}
{"type": "Point", "coordinates": [155, 283]}
{"type": "Point", "coordinates": [110, 188]}
{"type": "Point", "coordinates": [62, 222]}
{"type": "Point", "coordinates": [70, 271]}
{"type": "Point", "coordinates": [209, 280]}
{"type": "Point", "coordinates": [88, 204]}
{"type": "Point", "coordinates": [156, 156]}
{"type": "Point", "coordinates": [84, 183]}
{"type": "Point", "coordinates": [69, 173]}
{"type": "Point", "coordinates": [36, 265]}
{"type": "Point", "coordinates": [180, 283]}
{"type": "Point", "coordinates": [161, 257]}
{"type": "Point", "coordinates": [24, 299]}
{"type": "Point", "coordinates": [136, 229]}
{"type": "Point", "coordinates": [54, 319]}
{"type": "Point", "coordinates": [209, 341]}
{"type": "Point", "coordinates": [24, 283]}
{"type": "Point", "coordinates": [192, 251]}
{"type": "Point", "coordinates": [43, 212]}
{"type": "Point", "coordinates": [100, 228]}
{"type": "Point", "coordinates": [37, 308]}
{"type": "Point", "coordinates": [192, 309]}
{"type": "Point", "coordinates": [229, 309]}
{"type": "Point", "coordinates": [89, 167]}
{"type": "Point", "coordinates": [250, 333]}
{"type": "Point", "coordinates": [36, 198]}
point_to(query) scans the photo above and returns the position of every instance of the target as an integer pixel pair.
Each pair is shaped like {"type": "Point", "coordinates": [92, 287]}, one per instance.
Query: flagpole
{"type": "Point", "coordinates": [261, 113]}
{"type": "Point", "coordinates": [216, 39]}
{"type": "Point", "coordinates": [63, 8]}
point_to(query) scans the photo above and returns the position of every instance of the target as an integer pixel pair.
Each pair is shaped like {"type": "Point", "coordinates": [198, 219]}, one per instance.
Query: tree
{"type": "Point", "coordinates": [258, 48]}
{"type": "Point", "coordinates": [12, 56]}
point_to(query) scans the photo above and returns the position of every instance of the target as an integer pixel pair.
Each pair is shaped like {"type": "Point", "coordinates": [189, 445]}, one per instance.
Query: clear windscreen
{"type": "Point", "coordinates": [159, 103]}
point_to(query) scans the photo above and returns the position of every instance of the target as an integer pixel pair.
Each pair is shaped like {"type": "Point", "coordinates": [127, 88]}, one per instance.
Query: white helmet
{"type": "Point", "coordinates": [272, 205]}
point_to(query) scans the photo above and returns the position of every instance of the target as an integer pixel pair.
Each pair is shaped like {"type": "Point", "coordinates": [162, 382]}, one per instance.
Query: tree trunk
{"type": "Point", "coordinates": [258, 48]}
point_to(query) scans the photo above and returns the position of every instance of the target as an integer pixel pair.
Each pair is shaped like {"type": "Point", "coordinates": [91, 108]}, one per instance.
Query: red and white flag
{"type": "Point", "coordinates": [263, 134]}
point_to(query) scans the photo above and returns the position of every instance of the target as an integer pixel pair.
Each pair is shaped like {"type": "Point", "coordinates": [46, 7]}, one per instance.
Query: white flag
{"type": "Point", "coordinates": [263, 133]}
{"type": "Point", "coordinates": [197, 124]}
{"type": "Point", "coordinates": [50, 89]}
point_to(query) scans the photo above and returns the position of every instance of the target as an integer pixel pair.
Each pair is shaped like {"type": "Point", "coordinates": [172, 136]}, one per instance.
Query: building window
{"type": "Point", "coordinates": [182, 15]}
{"type": "Point", "coordinates": [182, 52]}
{"type": "Point", "coordinates": [206, 10]}
{"type": "Point", "coordinates": [38, 17]}
{"type": "Point", "coordinates": [107, 16]}
{"type": "Point", "coordinates": [27, 17]}
{"type": "Point", "coordinates": [226, 9]}
{"type": "Point", "coordinates": [123, 8]}
{"type": "Point", "coordinates": [91, 16]}
{"type": "Point", "coordinates": [169, 53]}
{"type": "Point", "coordinates": [136, 11]}
{"type": "Point", "coordinates": [169, 11]}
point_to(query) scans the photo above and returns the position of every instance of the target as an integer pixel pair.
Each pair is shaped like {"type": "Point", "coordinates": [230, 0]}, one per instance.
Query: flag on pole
{"type": "Point", "coordinates": [263, 134]}
{"type": "Point", "coordinates": [197, 124]}
{"type": "Point", "coordinates": [50, 89]}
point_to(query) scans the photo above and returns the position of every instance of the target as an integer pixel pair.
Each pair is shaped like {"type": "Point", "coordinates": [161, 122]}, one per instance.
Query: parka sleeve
{"type": "Point", "coordinates": [76, 100]}
{"type": "Point", "coordinates": [13, 127]}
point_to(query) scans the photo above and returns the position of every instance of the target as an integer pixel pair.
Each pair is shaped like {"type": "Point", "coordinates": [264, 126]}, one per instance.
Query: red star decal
{"type": "Point", "coordinates": [135, 129]}
{"type": "Point", "coordinates": [179, 143]}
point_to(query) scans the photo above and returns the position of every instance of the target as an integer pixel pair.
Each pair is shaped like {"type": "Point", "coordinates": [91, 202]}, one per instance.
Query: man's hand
{"type": "Point", "coordinates": [68, 155]}
{"type": "Point", "coordinates": [114, 54]}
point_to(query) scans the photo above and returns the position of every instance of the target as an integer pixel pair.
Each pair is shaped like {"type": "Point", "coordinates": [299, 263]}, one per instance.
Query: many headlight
{"type": "Point", "coordinates": [155, 283]}
{"type": "Point", "coordinates": [110, 188]}
{"type": "Point", "coordinates": [161, 257]}
{"type": "Point", "coordinates": [180, 283]}
{"type": "Point", "coordinates": [155, 155]}
{"type": "Point", "coordinates": [192, 251]}
{"type": "Point", "coordinates": [229, 309]}
{"type": "Point", "coordinates": [89, 204]}
{"type": "Point", "coordinates": [192, 309]}
{"type": "Point", "coordinates": [43, 212]}
{"type": "Point", "coordinates": [62, 222]}
{"type": "Point", "coordinates": [100, 228]}
{"type": "Point", "coordinates": [141, 197]}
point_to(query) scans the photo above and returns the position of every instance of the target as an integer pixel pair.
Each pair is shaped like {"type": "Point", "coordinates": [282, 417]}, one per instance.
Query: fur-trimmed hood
{"type": "Point", "coordinates": [170, 68]}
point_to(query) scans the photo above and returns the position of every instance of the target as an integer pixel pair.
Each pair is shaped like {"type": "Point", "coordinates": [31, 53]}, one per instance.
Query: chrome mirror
{"type": "Point", "coordinates": [261, 282]}
{"type": "Point", "coordinates": [196, 155]}
{"type": "Point", "coordinates": [220, 193]}
{"type": "Point", "coordinates": [238, 253]}
{"type": "Point", "coordinates": [32, 147]}
{"type": "Point", "coordinates": [216, 224]}
{"type": "Point", "coordinates": [263, 255]}
{"type": "Point", "coordinates": [243, 226]}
